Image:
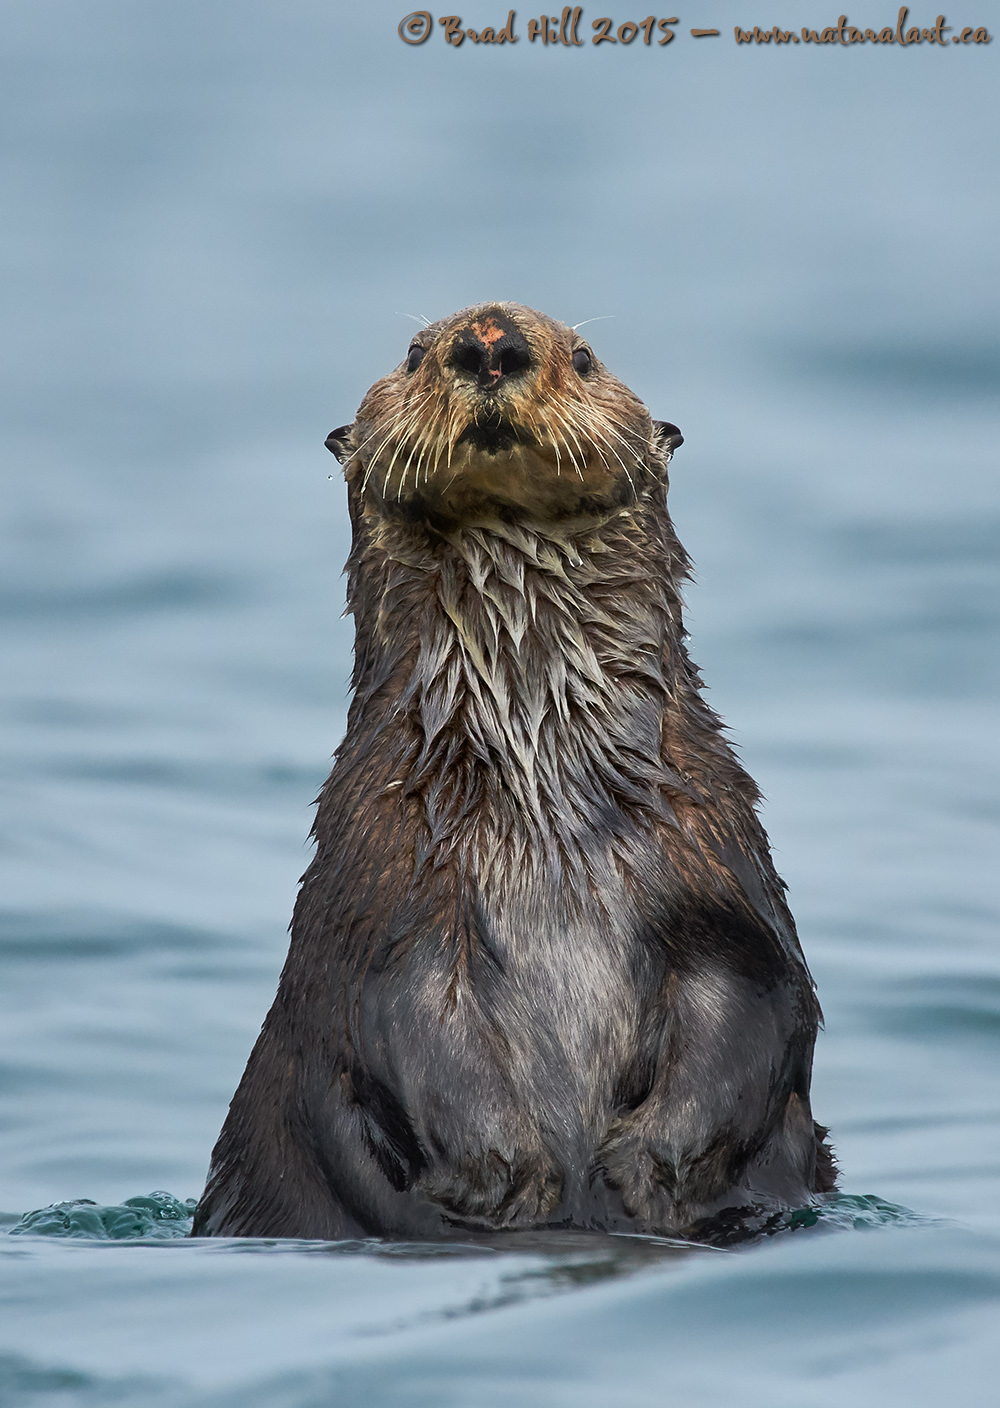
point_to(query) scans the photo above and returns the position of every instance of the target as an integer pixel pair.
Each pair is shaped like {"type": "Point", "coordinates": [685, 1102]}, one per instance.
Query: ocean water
{"type": "Point", "coordinates": [216, 221]}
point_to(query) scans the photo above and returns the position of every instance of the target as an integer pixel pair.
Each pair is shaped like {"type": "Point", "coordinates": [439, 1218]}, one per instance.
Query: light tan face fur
{"type": "Point", "coordinates": [500, 413]}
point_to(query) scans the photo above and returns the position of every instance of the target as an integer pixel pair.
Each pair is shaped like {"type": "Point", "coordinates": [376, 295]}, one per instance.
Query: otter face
{"type": "Point", "coordinates": [500, 413]}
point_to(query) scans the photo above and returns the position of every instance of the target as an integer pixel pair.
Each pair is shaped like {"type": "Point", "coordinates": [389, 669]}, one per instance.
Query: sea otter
{"type": "Point", "coordinates": [542, 973]}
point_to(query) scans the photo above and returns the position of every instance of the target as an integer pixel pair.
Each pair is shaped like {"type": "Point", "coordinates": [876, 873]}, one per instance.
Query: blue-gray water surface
{"type": "Point", "coordinates": [217, 219]}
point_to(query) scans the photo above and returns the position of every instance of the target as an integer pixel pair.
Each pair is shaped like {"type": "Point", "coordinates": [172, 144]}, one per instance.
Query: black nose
{"type": "Point", "coordinates": [491, 349]}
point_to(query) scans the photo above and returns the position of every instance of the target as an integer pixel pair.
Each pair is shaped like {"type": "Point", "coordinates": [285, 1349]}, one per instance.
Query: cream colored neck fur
{"type": "Point", "coordinates": [538, 691]}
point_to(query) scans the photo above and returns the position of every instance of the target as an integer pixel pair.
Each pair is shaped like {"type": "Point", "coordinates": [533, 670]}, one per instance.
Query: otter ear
{"type": "Point", "coordinates": [667, 436]}
{"type": "Point", "coordinates": [340, 442]}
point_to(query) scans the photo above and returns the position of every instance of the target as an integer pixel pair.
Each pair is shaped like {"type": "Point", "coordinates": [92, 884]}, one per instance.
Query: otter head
{"type": "Point", "coordinates": [499, 413]}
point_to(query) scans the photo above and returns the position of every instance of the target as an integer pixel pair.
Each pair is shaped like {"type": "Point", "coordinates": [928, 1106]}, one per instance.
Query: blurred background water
{"type": "Point", "coordinates": [216, 218]}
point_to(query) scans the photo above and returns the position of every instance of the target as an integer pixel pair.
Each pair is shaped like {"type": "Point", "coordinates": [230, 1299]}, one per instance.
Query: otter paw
{"type": "Point", "coordinates": [493, 1191]}
{"type": "Point", "coordinates": [644, 1176]}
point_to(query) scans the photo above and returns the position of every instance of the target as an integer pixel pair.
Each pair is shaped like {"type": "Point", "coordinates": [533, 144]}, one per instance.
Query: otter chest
{"type": "Point", "coordinates": [527, 1018]}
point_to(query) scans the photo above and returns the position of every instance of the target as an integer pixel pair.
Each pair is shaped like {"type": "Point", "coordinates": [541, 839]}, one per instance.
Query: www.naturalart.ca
{"type": "Point", "coordinates": [844, 33]}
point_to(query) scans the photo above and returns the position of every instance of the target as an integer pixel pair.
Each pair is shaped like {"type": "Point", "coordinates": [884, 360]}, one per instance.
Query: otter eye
{"type": "Point", "coordinates": [417, 355]}
{"type": "Point", "coordinates": [582, 361]}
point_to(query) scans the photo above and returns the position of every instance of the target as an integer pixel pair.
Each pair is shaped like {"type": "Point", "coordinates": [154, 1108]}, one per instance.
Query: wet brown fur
{"type": "Point", "coordinates": [541, 969]}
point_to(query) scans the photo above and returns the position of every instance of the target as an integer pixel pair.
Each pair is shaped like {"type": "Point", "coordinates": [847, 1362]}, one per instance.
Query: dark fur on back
{"type": "Point", "coordinates": [541, 972]}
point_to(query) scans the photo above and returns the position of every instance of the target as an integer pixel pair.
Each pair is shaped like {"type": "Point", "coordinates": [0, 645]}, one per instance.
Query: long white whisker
{"type": "Point", "coordinates": [423, 445]}
{"type": "Point", "coordinates": [452, 436]}
{"type": "Point", "coordinates": [395, 456]}
{"type": "Point", "coordinates": [374, 459]}
{"type": "Point", "coordinates": [603, 423]}
{"type": "Point", "coordinates": [568, 417]}
{"type": "Point", "coordinates": [423, 436]}
{"type": "Point", "coordinates": [399, 429]}
{"type": "Point", "coordinates": [406, 414]}
{"type": "Point", "coordinates": [615, 427]}
{"type": "Point", "coordinates": [379, 428]}
{"type": "Point", "coordinates": [566, 428]}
